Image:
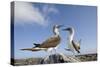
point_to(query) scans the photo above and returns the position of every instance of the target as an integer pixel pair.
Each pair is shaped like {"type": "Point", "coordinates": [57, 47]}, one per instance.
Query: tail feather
{"type": "Point", "coordinates": [78, 51]}
{"type": "Point", "coordinates": [36, 45]}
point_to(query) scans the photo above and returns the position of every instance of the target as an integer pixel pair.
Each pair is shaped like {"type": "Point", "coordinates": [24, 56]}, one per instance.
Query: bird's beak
{"type": "Point", "coordinates": [66, 29]}
{"type": "Point", "coordinates": [60, 26]}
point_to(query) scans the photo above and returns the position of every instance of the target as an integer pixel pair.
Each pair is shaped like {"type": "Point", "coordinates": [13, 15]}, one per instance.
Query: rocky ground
{"type": "Point", "coordinates": [55, 58]}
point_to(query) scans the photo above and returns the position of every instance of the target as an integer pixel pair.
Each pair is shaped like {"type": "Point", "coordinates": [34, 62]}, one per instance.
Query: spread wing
{"type": "Point", "coordinates": [50, 42]}
{"type": "Point", "coordinates": [76, 46]}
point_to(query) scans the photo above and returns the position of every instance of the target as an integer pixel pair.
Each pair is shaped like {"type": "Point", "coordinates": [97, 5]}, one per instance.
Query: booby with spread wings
{"type": "Point", "coordinates": [72, 45]}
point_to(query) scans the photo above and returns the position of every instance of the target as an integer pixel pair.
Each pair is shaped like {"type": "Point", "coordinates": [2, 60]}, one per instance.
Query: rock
{"type": "Point", "coordinates": [55, 58]}
{"type": "Point", "coordinates": [58, 58]}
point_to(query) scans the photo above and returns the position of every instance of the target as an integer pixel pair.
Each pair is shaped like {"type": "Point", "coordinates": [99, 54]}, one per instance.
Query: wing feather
{"type": "Point", "coordinates": [50, 42]}
{"type": "Point", "coordinates": [76, 47]}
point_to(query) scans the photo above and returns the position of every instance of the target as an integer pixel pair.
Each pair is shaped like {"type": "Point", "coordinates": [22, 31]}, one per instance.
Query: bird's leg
{"type": "Point", "coordinates": [45, 58]}
{"type": "Point", "coordinates": [54, 50]}
{"type": "Point", "coordinates": [73, 53]}
{"type": "Point", "coordinates": [48, 54]}
{"type": "Point", "coordinates": [51, 52]}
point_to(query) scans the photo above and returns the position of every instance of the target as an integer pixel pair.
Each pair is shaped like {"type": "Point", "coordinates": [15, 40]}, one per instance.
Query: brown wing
{"type": "Point", "coordinates": [51, 42]}
{"type": "Point", "coordinates": [75, 46]}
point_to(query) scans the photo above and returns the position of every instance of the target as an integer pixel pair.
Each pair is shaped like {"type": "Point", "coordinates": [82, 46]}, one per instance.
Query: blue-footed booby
{"type": "Point", "coordinates": [72, 45]}
{"type": "Point", "coordinates": [50, 43]}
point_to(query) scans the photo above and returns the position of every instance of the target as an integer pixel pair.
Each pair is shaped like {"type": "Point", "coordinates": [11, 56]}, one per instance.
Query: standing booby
{"type": "Point", "coordinates": [72, 45]}
{"type": "Point", "coordinates": [50, 43]}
